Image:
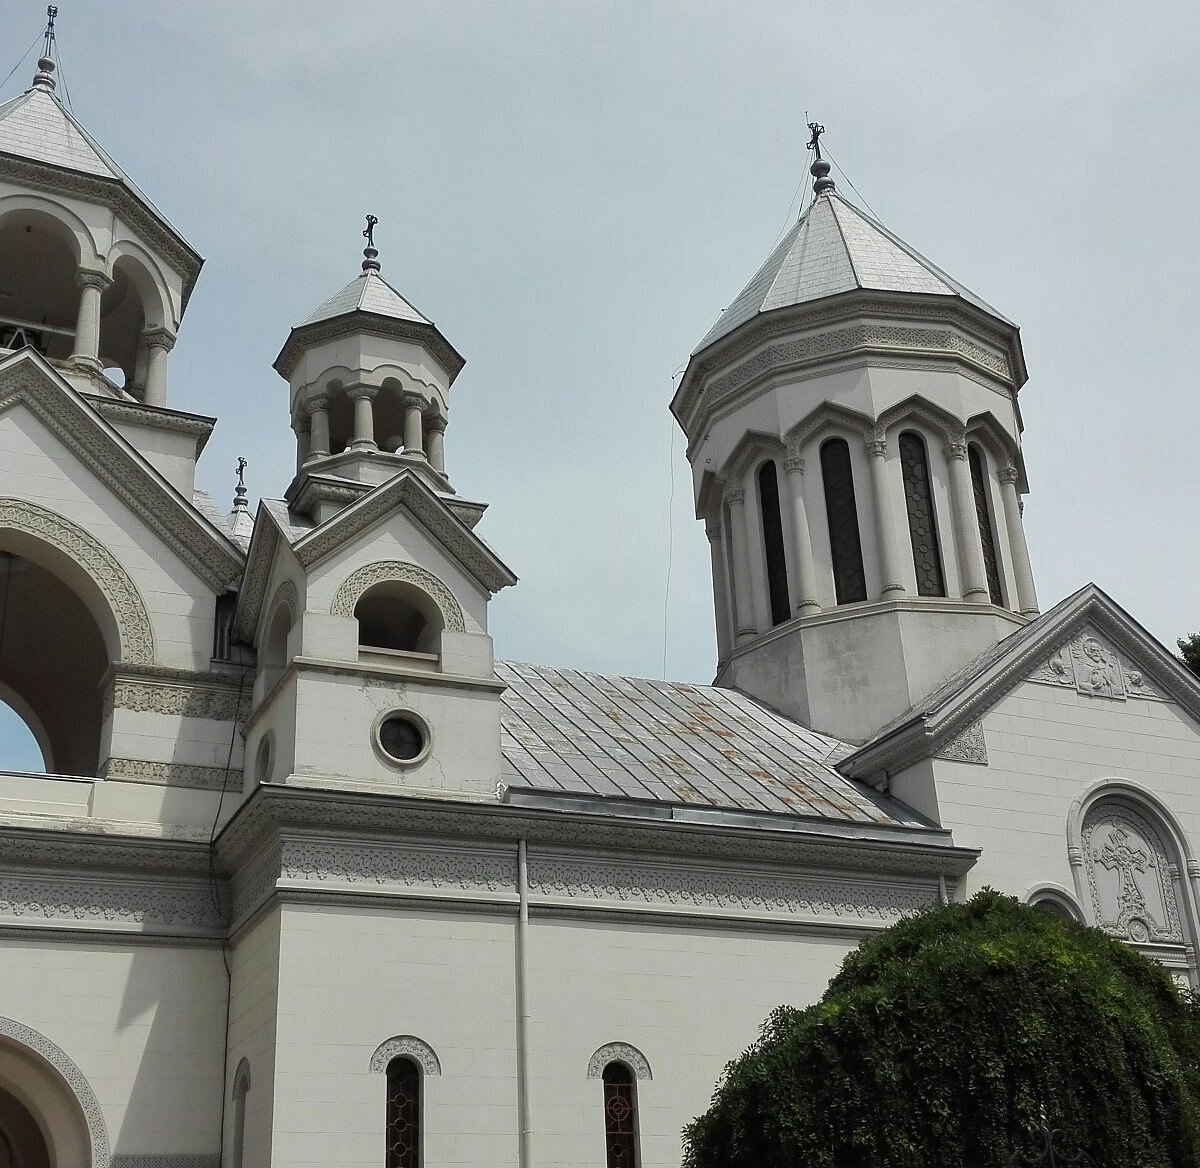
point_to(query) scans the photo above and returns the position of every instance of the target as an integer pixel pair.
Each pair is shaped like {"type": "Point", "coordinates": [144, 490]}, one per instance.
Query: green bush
{"type": "Point", "coordinates": [938, 1040]}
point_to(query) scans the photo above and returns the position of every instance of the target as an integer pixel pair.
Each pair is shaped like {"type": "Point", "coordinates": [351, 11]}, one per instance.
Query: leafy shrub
{"type": "Point", "coordinates": [938, 1040]}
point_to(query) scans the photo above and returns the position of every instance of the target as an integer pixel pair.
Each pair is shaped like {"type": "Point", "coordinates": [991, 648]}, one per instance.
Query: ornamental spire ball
{"type": "Point", "coordinates": [370, 252]}
{"type": "Point", "coordinates": [44, 77]}
{"type": "Point", "coordinates": [820, 168]}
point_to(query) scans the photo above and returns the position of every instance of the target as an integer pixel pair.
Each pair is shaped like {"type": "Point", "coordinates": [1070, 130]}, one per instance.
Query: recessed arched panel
{"type": "Point", "coordinates": [355, 585]}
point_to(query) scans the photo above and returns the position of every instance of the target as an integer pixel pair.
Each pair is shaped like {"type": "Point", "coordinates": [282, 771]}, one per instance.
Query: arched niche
{"type": "Point", "coordinates": [1134, 870]}
{"type": "Point", "coordinates": [39, 266]}
{"type": "Point", "coordinates": [40, 1079]}
{"type": "Point", "coordinates": [399, 606]}
{"type": "Point", "coordinates": [273, 643]}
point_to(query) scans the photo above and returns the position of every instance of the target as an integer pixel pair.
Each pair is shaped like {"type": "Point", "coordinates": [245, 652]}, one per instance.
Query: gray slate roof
{"type": "Point", "coordinates": [37, 126]}
{"type": "Point", "coordinates": [369, 292]}
{"type": "Point", "coordinates": [835, 247]}
{"type": "Point", "coordinates": [564, 730]}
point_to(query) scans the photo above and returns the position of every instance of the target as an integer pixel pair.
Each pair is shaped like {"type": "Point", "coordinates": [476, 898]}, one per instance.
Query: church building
{"type": "Point", "coordinates": [311, 879]}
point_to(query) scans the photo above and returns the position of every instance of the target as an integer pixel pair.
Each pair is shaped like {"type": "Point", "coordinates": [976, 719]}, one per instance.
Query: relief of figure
{"type": "Point", "coordinates": [1097, 672]}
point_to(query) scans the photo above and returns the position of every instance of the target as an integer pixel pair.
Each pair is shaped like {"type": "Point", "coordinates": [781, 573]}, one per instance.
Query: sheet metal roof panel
{"type": "Point", "coordinates": [369, 292]}
{"type": "Point", "coordinates": [574, 731]}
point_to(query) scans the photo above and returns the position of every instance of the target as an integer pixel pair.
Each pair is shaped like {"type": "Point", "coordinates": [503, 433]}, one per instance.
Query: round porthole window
{"type": "Point", "coordinates": [402, 737]}
{"type": "Point", "coordinates": [264, 760]}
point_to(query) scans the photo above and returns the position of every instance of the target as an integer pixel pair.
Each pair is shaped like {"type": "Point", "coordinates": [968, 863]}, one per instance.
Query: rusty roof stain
{"type": "Point", "coordinates": [633, 738]}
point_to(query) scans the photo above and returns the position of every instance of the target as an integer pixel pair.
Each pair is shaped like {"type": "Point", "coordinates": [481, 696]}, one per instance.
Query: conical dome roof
{"type": "Point", "coordinates": [369, 292]}
{"type": "Point", "coordinates": [833, 248]}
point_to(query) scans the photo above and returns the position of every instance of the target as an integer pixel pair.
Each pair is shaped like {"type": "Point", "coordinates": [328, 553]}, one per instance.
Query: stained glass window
{"type": "Point", "coordinates": [845, 544]}
{"type": "Point", "coordinates": [984, 515]}
{"type": "Point", "coordinates": [403, 1132]}
{"type": "Point", "coordinates": [922, 527]}
{"type": "Point", "coordinates": [620, 1117]}
{"type": "Point", "coordinates": [772, 524]}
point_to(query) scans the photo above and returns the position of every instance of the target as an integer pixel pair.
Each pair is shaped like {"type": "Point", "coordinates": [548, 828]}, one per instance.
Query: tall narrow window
{"type": "Point", "coordinates": [241, 1085]}
{"type": "Point", "coordinates": [620, 1117]}
{"type": "Point", "coordinates": [403, 1114]}
{"type": "Point", "coordinates": [983, 513]}
{"type": "Point", "coordinates": [845, 544]}
{"type": "Point", "coordinates": [922, 528]}
{"type": "Point", "coordinates": [772, 525]}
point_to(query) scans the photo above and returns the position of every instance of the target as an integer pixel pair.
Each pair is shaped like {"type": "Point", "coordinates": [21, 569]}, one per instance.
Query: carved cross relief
{"type": "Point", "coordinates": [1130, 879]}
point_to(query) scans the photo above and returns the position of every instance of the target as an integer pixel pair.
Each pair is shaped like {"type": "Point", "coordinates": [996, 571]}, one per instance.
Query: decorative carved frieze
{"type": "Point", "coordinates": [352, 588]}
{"type": "Point", "coordinates": [171, 774]}
{"type": "Point", "coordinates": [128, 608]}
{"type": "Point", "coordinates": [967, 745]}
{"type": "Point", "coordinates": [1088, 664]}
{"type": "Point", "coordinates": [178, 693]}
{"type": "Point", "coordinates": [167, 1160]}
{"type": "Point", "coordinates": [402, 866]}
{"type": "Point", "coordinates": [94, 900]}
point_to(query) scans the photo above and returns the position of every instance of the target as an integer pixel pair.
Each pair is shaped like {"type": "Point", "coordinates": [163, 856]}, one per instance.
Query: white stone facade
{"type": "Point", "coordinates": [300, 829]}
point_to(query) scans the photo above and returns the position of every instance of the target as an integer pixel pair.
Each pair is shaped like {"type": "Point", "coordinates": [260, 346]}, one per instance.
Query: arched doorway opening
{"type": "Point", "coordinates": [53, 656]}
{"type": "Point", "coordinates": [37, 272]}
{"type": "Point", "coordinates": [49, 1115]}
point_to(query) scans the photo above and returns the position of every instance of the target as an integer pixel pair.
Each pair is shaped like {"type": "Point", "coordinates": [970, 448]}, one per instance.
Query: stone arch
{"type": "Point", "coordinates": [241, 1079]}
{"type": "Point", "coordinates": [407, 1046]}
{"type": "Point", "coordinates": [278, 620]}
{"type": "Point", "coordinates": [125, 612]}
{"type": "Point", "coordinates": [75, 1092]}
{"type": "Point", "coordinates": [919, 410]}
{"type": "Point", "coordinates": [87, 251]}
{"type": "Point", "coordinates": [984, 429]}
{"type": "Point", "coordinates": [753, 447]}
{"type": "Point", "coordinates": [1057, 896]}
{"type": "Point", "coordinates": [619, 1052]}
{"type": "Point", "coordinates": [286, 594]}
{"type": "Point", "coordinates": [825, 415]}
{"type": "Point", "coordinates": [387, 571]}
{"type": "Point", "coordinates": [147, 278]}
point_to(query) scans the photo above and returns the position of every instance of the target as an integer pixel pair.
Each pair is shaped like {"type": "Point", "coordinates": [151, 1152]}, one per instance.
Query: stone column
{"type": "Point", "coordinates": [716, 548]}
{"type": "Point", "coordinates": [159, 342]}
{"type": "Point", "coordinates": [303, 432]}
{"type": "Point", "coordinates": [364, 418]}
{"type": "Point", "coordinates": [1017, 547]}
{"type": "Point", "coordinates": [807, 602]}
{"type": "Point", "coordinates": [890, 564]}
{"type": "Point", "coordinates": [318, 421]}
{"type": "Point", "coordinates": [743, 600]}
{"type": "Point", "coordinates": [87, 322]}
{"type": "Point", "coordinates": [435, 442]}
{"type": "Point", "coordinates": [413, 406]}
{"type": "Point", "coordinates": [972, 571]}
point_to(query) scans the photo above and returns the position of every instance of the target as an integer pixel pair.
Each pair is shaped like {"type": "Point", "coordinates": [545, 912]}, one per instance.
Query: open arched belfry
{"type": "Point", "coordinates": [310, 878]}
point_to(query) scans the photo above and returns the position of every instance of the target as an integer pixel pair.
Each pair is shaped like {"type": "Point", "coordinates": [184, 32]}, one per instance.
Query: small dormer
{"type": "Point", "coordinates": [370, 381]}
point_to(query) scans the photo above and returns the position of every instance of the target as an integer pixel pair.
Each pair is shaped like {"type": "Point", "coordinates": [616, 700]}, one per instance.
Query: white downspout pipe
{"type": "Point", "coordinates": [525, 1137]}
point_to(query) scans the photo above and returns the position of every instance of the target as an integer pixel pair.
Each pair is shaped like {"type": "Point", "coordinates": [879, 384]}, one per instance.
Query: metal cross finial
{"type": "Point", "coordinates": [814, 143]}
{"type": "Point", "coordinates": [239, 494]}
{"type": "Point", "coordinates": [369, 234]}
{"type": "Point", "coordinates": [241, 472]}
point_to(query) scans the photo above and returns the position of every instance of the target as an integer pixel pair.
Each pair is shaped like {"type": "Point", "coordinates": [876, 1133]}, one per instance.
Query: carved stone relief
{"type": "Point", "coordinates": [1129, 876]}
{"type": "Point", "coordinates": [406, 1045]}
{"type": "Point", "coordinates": [967, 745]}
{"type": "Point", "coordinates": [353, 587]}
{"type": "Point", "coordinates": [1088, 664]}
{"type": "Point", "coordinates": [169, 774]}
{"type": "Point", "coordinates": [621, 1052]}
{"type": "Point", "coordinates": [124, 599]}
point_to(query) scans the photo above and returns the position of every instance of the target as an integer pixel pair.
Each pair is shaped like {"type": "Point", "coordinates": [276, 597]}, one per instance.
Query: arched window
{"type": "Point", "coordinates": [396, 615]}
{"type": "Point", "coordinates": [845, 544]}
{"type": "Point", "coordinates": [983, 513]}
{"type": "Point", "coordinates": [403, 1131]}
{"type": "Point", "coordinates": [772, 525]}
{"type": "Point", "coordinates": [922, 526]}
{"type": "Point", "coordinates": [620, 1117]}
{"type": "Point", "coordinates": [241, 1085]}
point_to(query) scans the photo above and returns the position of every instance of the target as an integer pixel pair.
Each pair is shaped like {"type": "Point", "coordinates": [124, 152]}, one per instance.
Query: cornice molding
{"type": "Point", "coordinates": [360, 322]}
{"type": "Point", "coordinates": [174, 421]}
{"type": "Point", "coordinates": [163, 239]}
{"type": "Point", "coordinates": [134, 629]}
{"type": "Point", "coordinates": [27, 379]}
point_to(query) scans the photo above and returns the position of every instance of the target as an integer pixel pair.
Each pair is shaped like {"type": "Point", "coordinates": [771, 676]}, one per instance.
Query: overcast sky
{"type": "Point", "coordinates": [573, 191]}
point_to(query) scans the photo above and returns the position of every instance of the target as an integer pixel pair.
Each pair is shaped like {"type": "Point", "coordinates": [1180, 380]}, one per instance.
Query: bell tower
{"type": "Point", "coordinates": [370, 380]}
{"type": "Point", "coordinates": [855, 441]}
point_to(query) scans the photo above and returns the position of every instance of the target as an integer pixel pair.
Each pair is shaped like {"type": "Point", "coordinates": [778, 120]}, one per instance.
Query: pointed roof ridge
{"type": "Point", "coordinates": [38, 127]}
{"type": "Point", "coordinates": [835, 247]}
{"type": "Point", "coordinates": [367, 292]}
